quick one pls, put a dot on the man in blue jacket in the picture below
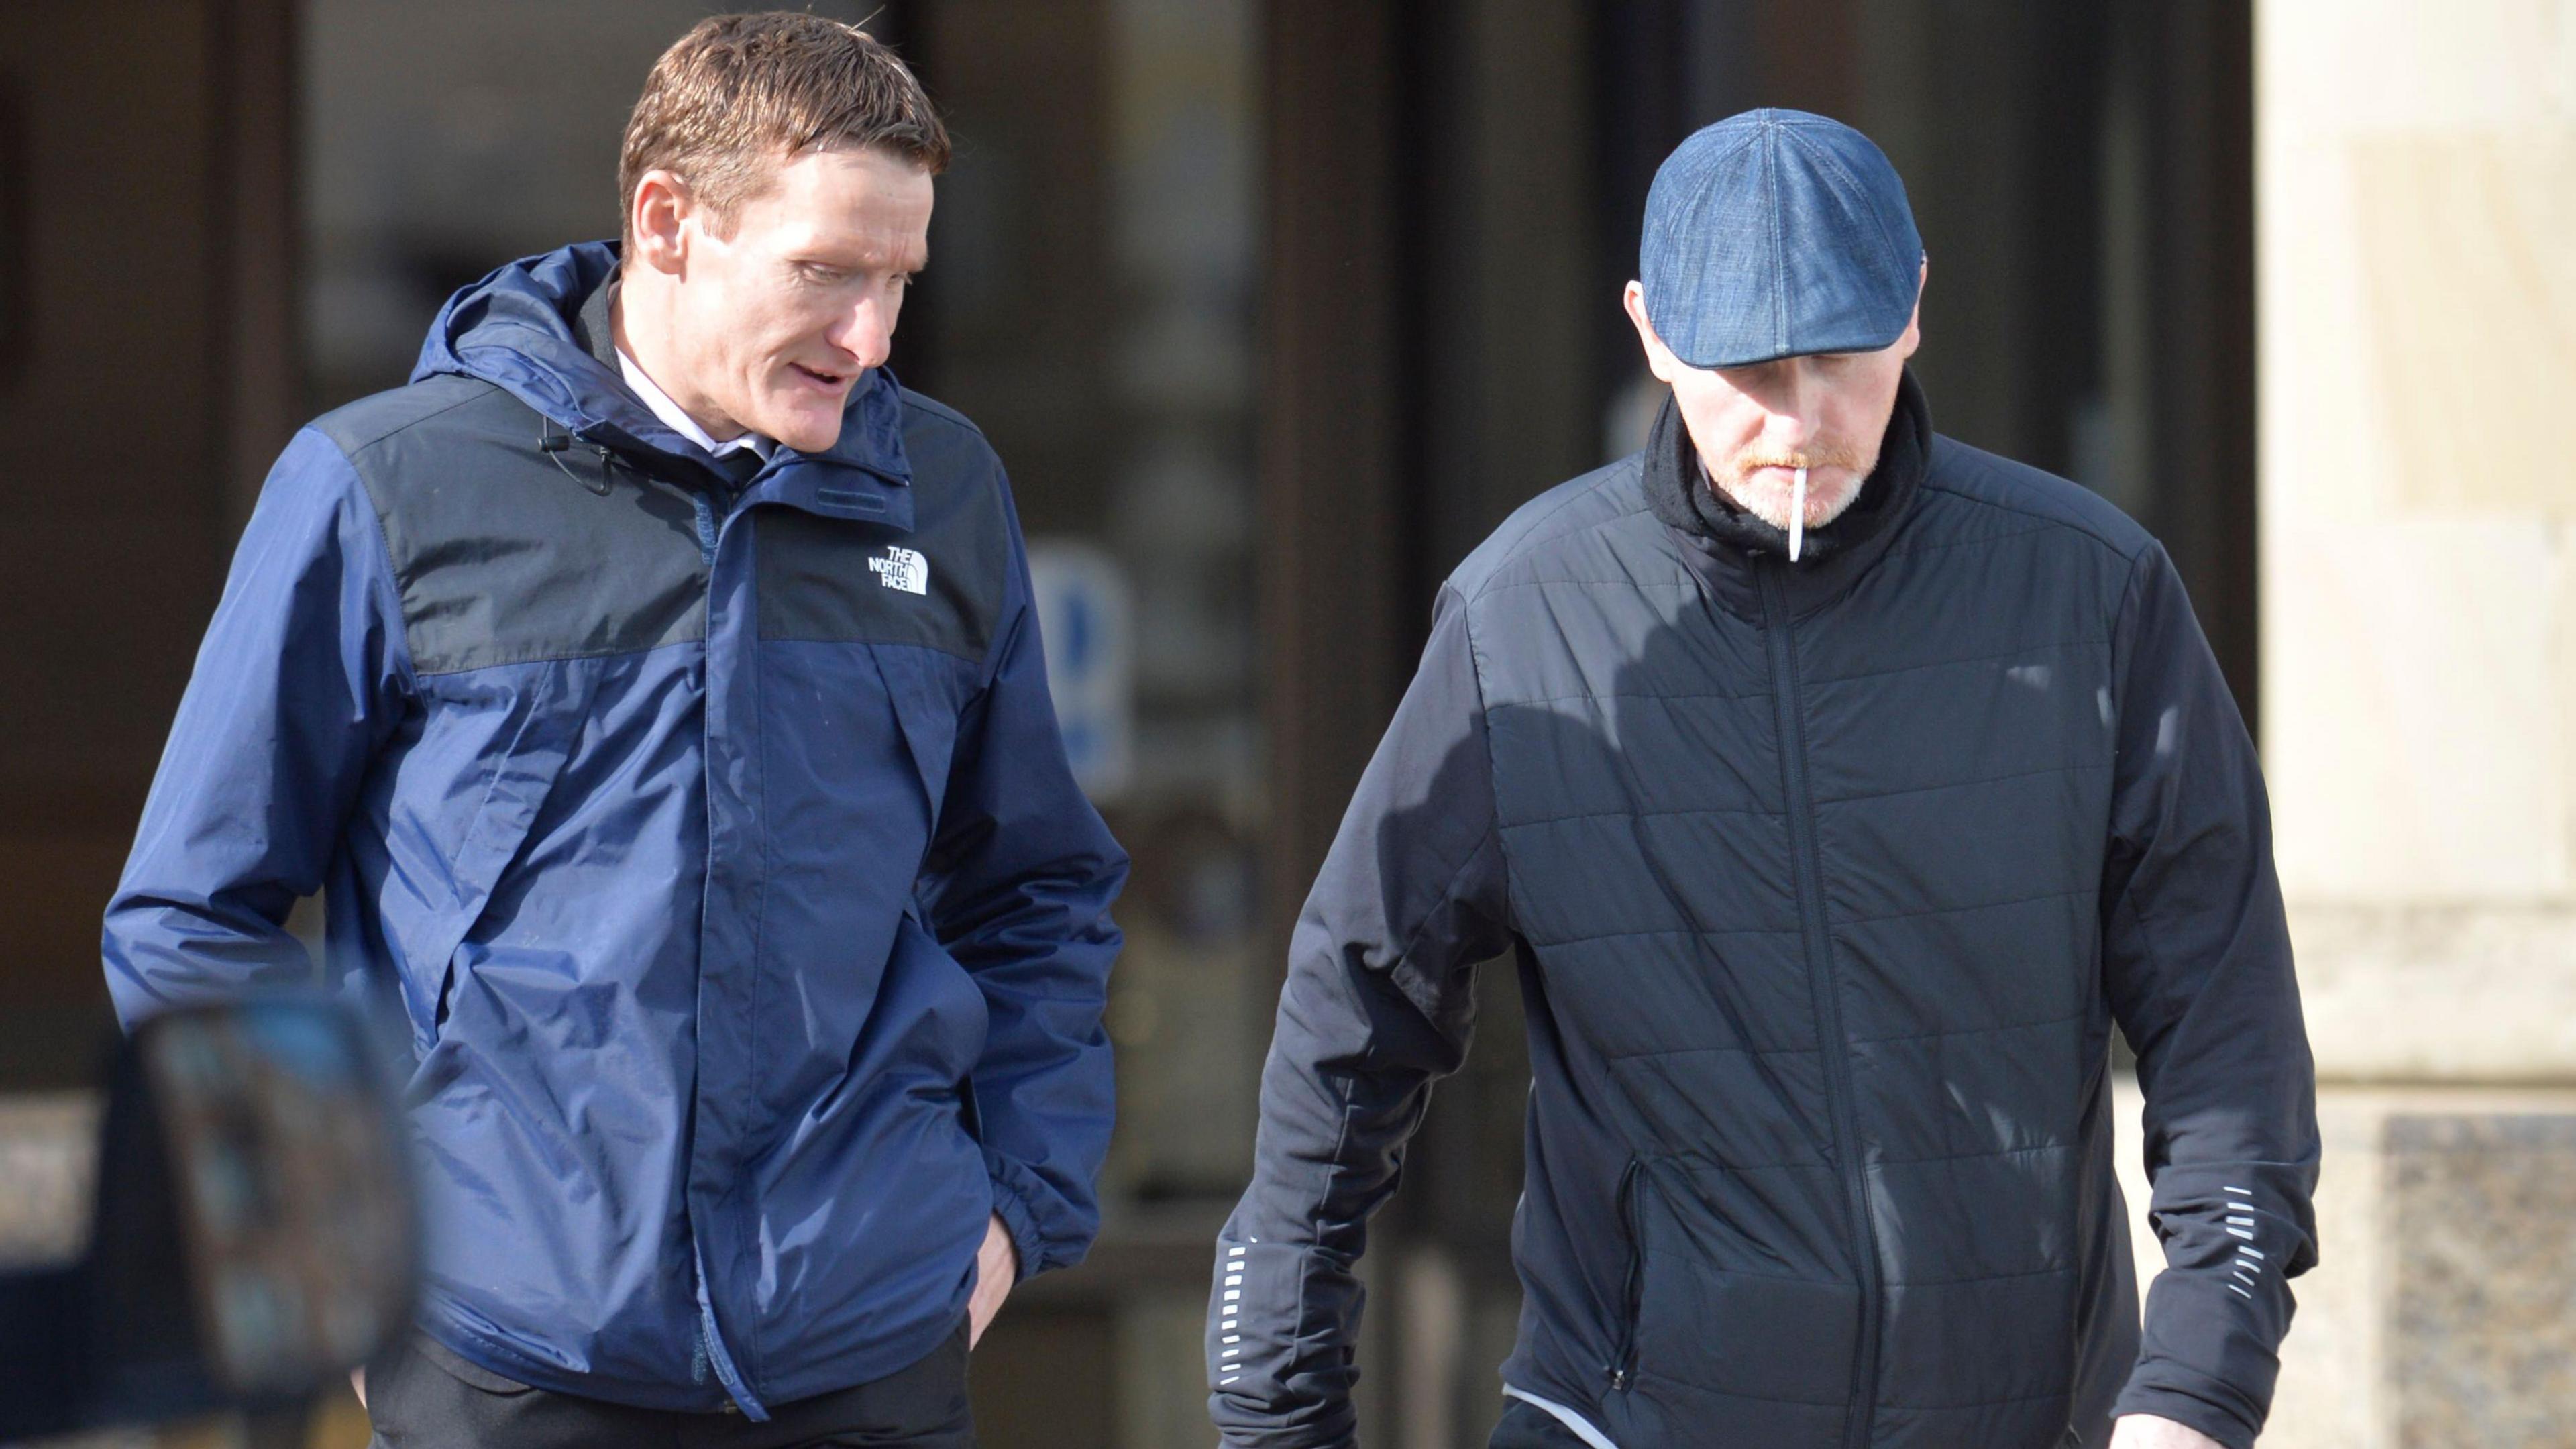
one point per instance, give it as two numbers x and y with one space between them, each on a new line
1838 790
652 688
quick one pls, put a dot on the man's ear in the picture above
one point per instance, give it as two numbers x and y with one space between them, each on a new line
1913 337
658 223
1659 358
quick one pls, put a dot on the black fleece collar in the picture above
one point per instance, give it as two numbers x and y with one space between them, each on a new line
595 325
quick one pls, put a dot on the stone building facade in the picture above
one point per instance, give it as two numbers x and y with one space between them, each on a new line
2416 219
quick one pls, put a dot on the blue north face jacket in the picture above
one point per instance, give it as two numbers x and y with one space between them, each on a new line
716 839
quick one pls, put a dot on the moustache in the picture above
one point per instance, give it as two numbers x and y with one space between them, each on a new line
1810 459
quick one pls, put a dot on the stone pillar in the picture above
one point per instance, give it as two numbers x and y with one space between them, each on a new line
2416 218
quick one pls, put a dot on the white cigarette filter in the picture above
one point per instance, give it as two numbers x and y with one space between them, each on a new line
1797 515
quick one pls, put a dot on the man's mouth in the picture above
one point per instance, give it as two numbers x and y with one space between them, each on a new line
1779 475
833 381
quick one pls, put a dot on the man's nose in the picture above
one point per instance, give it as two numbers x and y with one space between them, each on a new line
866 333
1791 430
1795 410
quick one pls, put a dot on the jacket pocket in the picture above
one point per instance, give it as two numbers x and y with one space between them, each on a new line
1623 1361
947 1020
542 713
1715 1333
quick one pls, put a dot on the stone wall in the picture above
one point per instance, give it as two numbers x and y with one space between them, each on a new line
2416 203
2440 1315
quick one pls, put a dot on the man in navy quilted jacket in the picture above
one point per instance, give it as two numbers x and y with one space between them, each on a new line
654 686
1838 790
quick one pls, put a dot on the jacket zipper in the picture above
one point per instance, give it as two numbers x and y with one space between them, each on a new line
710 533
1623 1364
1834 1049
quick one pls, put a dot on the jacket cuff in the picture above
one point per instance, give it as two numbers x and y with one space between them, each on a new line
2168 1401
1013 1186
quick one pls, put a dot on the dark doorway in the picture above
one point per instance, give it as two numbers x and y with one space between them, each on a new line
145 366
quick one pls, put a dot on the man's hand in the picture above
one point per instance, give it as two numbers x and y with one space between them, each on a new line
2146 1431
997 1267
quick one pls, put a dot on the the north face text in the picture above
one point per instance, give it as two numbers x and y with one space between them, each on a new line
903 569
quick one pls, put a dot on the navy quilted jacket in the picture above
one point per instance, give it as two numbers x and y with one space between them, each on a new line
1827 884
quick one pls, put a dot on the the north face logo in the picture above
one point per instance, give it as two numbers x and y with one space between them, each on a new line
903 569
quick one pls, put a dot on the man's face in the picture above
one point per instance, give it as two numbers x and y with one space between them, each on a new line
1756 426
774 320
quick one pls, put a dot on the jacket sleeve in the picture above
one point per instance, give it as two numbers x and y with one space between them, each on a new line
1376 1006
1018 888
302 675
2196 960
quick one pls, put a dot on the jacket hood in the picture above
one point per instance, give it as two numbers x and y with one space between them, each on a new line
517 330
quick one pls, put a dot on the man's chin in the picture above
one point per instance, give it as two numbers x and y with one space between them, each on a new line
1774 510
1827 500
807 434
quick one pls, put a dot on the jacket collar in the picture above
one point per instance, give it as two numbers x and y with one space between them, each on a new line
1730 550
538 329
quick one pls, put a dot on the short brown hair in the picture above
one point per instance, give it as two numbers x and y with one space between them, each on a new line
740 93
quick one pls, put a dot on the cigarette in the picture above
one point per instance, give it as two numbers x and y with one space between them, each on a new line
1797 515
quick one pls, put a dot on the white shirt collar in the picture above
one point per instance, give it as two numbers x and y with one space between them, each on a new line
678 421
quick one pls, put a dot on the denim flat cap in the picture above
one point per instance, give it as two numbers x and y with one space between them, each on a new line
1777 234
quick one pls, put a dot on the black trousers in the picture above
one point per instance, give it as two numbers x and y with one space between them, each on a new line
422 1396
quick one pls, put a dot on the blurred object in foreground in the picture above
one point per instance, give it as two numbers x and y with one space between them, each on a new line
253 1235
